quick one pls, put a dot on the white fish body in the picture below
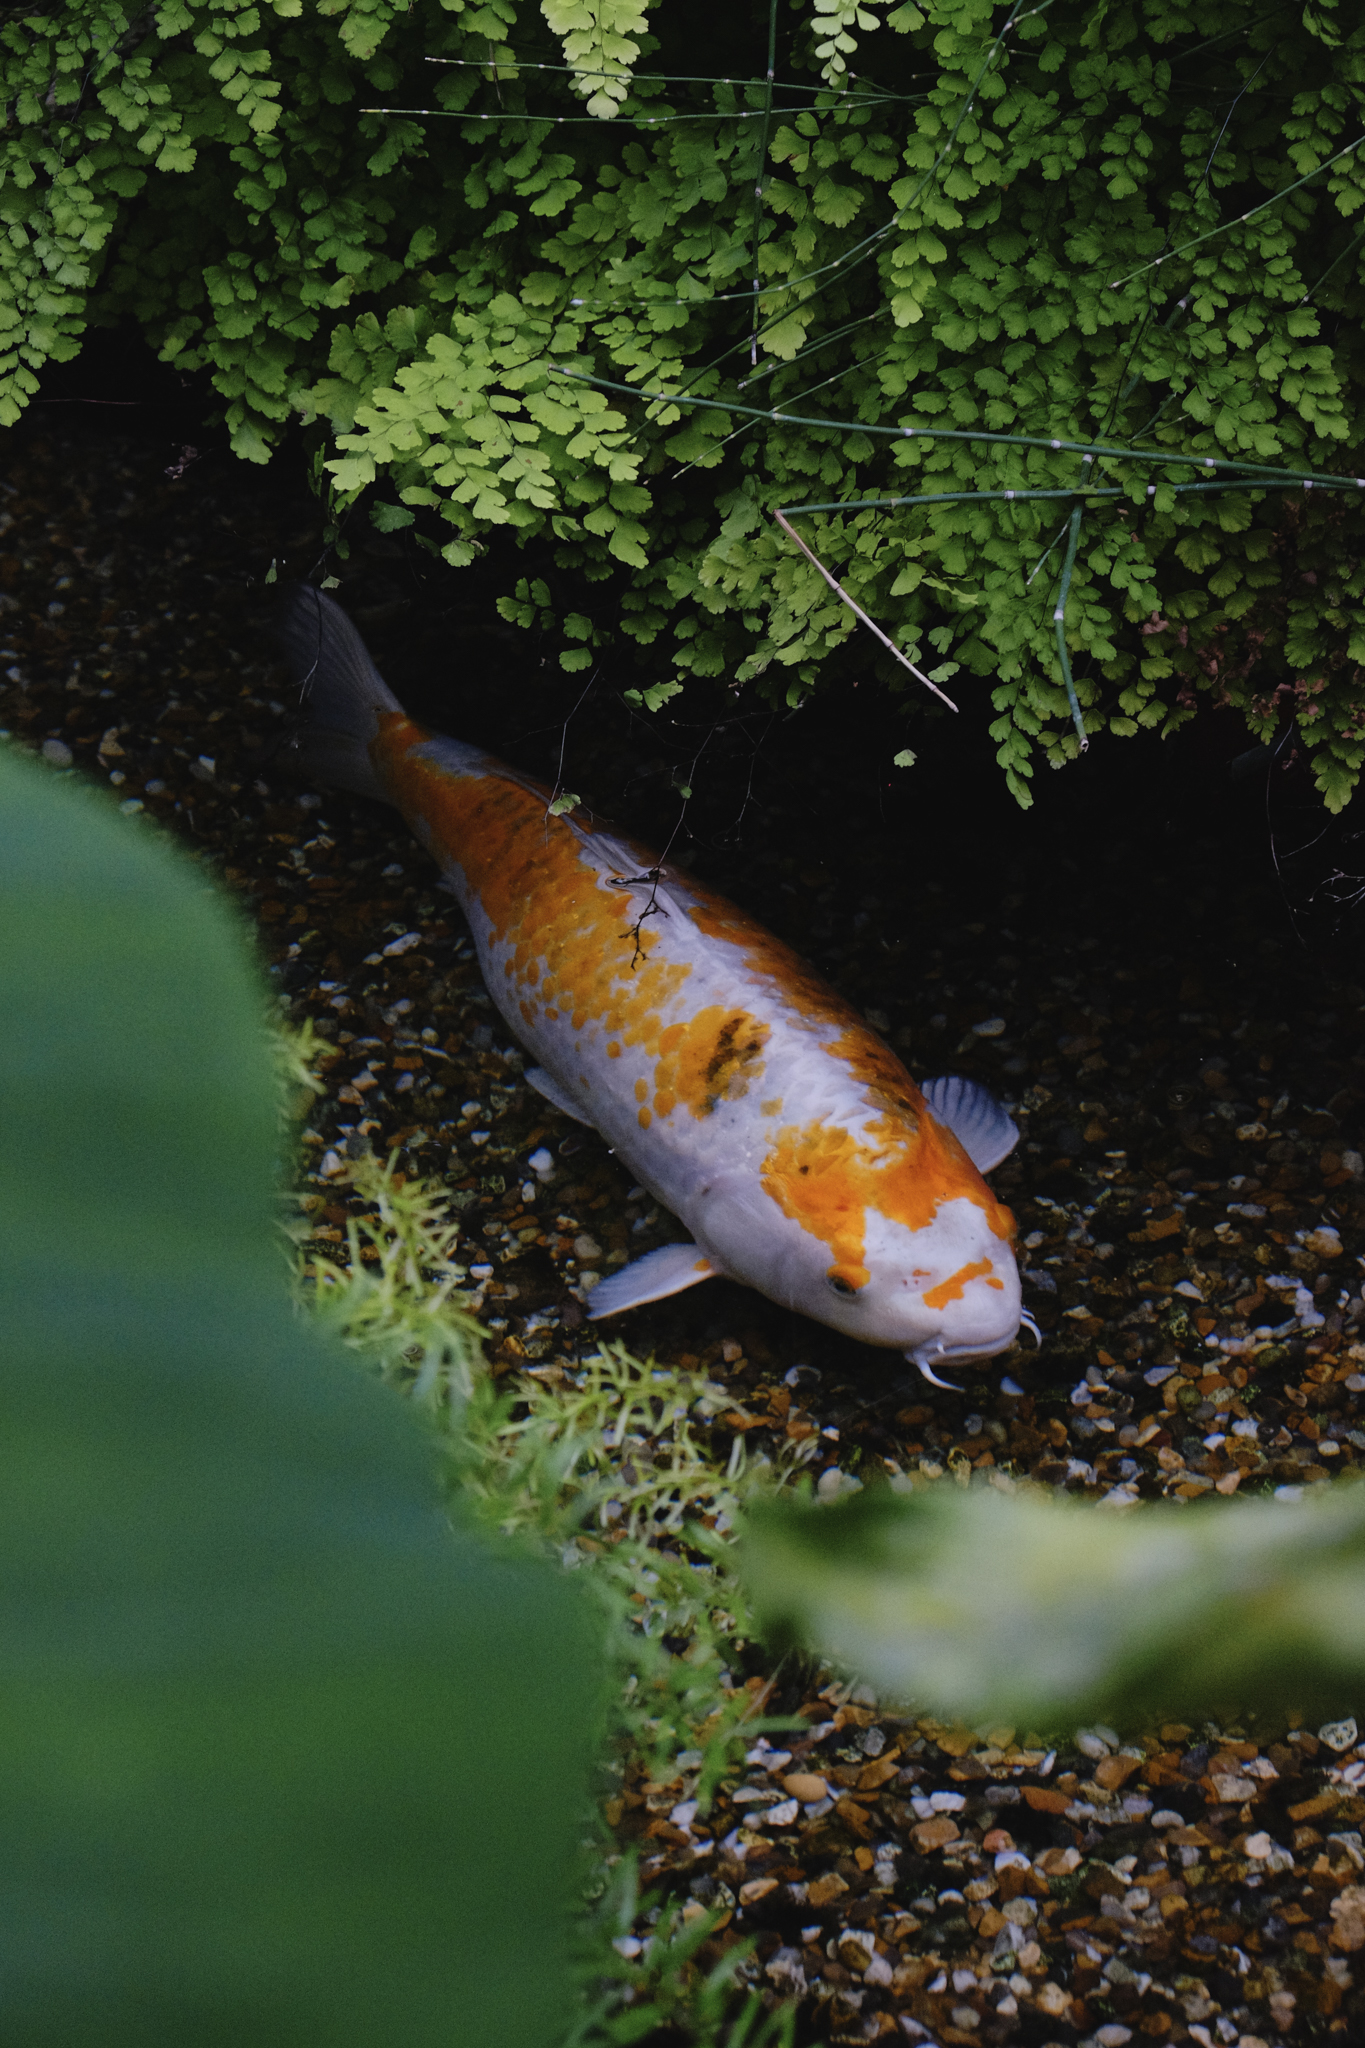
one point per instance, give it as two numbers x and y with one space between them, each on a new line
738 1088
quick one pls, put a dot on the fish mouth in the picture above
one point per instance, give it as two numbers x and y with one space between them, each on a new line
935 1352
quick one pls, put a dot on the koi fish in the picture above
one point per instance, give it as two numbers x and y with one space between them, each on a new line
737 1086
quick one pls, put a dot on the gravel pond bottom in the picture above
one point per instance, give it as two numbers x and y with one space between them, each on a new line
1118 964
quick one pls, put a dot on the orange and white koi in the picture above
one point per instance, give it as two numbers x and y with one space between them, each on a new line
735 1084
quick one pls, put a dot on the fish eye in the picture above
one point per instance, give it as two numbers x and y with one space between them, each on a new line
840 1285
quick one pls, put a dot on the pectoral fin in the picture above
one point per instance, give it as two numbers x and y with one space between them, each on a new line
555 1091
667 1271
982 1126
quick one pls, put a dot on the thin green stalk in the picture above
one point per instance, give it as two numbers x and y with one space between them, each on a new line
986 497
1241 219
1059 625
582 121
1309 478
762 166
1350 248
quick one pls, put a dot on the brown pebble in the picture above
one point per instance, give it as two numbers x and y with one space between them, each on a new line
807 1786
1046 1799
935 1833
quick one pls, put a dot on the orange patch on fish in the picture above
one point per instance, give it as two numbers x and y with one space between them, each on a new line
825 1178
955 1286
538 887
710 1059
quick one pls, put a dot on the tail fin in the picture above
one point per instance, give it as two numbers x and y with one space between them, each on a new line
341 689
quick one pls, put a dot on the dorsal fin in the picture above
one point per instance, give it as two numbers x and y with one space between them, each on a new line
978 1120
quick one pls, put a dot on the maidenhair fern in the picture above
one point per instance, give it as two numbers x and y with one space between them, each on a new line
1068 223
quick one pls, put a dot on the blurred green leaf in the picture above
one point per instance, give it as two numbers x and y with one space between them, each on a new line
286 1760
1050 1612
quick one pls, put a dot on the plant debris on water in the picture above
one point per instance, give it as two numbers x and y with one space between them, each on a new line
777 1855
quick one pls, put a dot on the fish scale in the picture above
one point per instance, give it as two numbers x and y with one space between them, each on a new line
740 1089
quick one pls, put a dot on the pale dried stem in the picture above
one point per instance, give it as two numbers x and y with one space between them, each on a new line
858 612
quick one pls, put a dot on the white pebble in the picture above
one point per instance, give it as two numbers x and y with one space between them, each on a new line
781 1816
993 1027
541 1162
58 753
397 947
331 1164
130 804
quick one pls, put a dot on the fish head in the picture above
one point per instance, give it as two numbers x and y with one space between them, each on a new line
948 1289
901 1246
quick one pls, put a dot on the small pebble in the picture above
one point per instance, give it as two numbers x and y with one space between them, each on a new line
58 753
541 1163
993 1027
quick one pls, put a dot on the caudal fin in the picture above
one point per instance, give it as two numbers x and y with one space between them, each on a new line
342 692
